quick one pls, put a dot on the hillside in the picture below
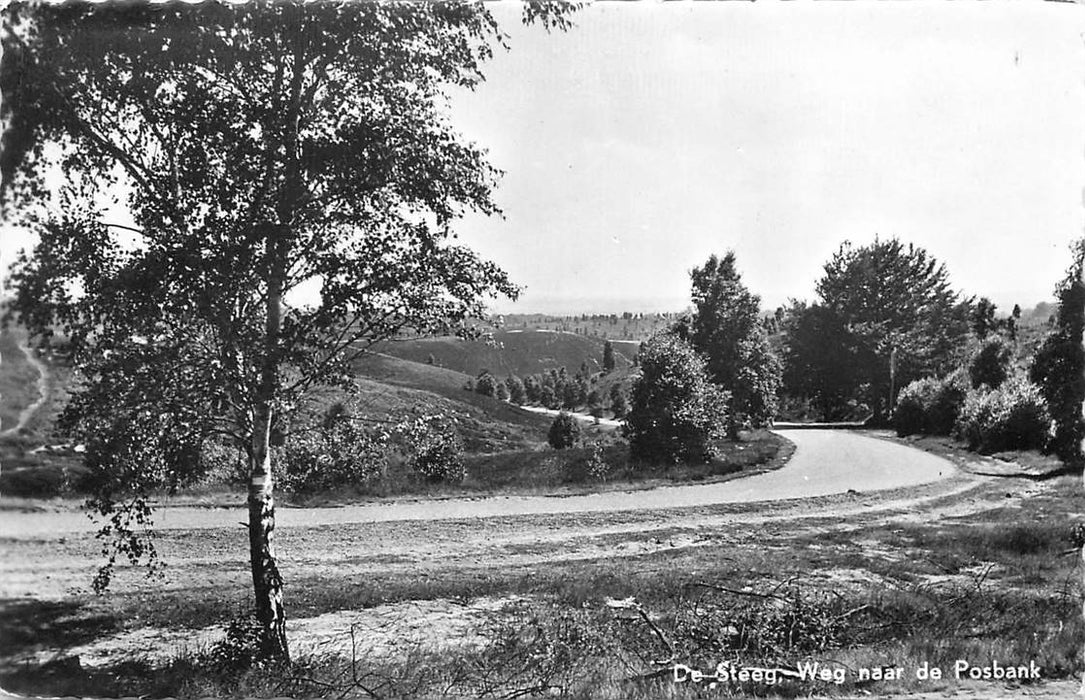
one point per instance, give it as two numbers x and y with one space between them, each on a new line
628 326
389 385
519 352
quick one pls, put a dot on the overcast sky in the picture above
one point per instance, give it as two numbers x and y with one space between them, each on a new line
652 135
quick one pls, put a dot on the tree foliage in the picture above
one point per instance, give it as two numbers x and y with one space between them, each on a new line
875 299
258 148
608 356
1059 365
931 405
725 328
990 364
818 358
1011 417
517 392
676 413
564 431
619 404
486 384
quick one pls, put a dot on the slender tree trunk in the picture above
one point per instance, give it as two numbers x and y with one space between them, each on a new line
267 582
266 579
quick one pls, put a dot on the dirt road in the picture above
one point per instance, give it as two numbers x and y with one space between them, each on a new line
825 462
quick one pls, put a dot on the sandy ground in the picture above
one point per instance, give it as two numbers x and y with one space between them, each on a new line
825 462
835 481
610 422
43 391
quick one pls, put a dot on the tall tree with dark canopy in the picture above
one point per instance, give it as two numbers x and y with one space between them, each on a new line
726 329
892 296
1059 365
818 358
259 147
608 356
983 318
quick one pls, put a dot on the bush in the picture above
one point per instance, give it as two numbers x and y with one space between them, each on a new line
991 363
598 468
564 431
676 413
619 405
910 414
239 650
1012 417
548 398
486 384
331 456
224 463
930 406
434 449
517 391
34 482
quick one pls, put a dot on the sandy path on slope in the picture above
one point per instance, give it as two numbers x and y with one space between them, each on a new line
43 391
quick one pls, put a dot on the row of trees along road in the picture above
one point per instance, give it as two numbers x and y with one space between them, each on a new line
258 147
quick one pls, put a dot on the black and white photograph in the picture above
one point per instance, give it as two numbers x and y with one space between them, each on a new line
391 349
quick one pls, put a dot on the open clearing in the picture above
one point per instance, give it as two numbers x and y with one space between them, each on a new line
438 580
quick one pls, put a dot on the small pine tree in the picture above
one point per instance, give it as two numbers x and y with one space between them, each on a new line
517 390
608 356
991 363
983 318
564 431
548 397
619 405
486 384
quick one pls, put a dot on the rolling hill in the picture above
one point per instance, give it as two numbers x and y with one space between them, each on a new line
505 352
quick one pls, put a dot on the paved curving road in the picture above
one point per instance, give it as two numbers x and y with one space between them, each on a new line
825 462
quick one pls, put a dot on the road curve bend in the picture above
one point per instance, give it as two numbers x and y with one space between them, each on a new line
825 462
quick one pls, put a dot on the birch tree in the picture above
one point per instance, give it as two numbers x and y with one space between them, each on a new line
259 149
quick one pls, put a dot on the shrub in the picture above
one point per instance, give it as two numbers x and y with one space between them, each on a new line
225 463
34 482
619 405
548 398
434 449
239 650
336 454
486 384
564 431
910 414
1012 417
991 363
930 406
676 413
517 391
598 468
